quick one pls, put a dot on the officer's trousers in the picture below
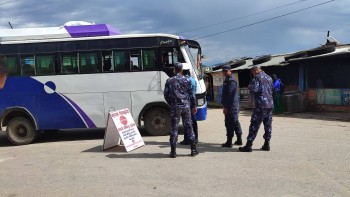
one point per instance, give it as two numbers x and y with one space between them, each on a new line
185 114
194 127
260 115
232 123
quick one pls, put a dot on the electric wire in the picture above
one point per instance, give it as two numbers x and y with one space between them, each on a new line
263 21
242 17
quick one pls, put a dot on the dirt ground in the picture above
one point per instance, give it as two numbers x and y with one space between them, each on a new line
309 157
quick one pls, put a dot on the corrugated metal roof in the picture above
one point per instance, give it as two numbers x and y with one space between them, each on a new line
338 51
276 60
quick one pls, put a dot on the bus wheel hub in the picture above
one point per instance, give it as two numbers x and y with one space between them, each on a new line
158 121
22 131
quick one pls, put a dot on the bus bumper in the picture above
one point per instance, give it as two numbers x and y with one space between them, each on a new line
201 113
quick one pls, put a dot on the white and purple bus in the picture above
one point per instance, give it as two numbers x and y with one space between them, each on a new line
70 77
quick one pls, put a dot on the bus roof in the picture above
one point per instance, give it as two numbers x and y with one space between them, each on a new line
68 33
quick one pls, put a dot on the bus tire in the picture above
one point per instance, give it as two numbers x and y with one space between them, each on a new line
20 131
157 121
321 50
261 59
299 54
237 63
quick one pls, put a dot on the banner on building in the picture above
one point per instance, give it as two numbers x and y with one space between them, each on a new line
332 96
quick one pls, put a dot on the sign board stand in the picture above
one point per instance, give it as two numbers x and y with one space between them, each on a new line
121 129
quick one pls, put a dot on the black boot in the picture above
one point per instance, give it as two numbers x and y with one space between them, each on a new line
228 143
239 140
194 150
247 147
173 151
266 146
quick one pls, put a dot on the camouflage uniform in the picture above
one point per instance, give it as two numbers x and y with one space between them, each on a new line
262 89
230 101
179 94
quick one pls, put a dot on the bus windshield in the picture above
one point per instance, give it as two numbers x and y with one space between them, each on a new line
194 52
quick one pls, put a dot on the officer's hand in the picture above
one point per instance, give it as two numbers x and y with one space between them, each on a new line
225 111
194 110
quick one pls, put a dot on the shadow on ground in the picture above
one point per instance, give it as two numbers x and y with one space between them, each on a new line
328 116
119 151
70 135
65 135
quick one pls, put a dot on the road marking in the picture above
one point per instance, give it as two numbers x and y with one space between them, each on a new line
5 159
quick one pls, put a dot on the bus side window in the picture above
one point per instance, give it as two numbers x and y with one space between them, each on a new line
69 63
107 64
149 59
28 65
119 60
45 64
14 69
170 56
165 59
88 63
135 60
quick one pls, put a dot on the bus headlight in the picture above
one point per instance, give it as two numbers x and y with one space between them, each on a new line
200 102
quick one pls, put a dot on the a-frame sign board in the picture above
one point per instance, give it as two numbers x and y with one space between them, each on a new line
121 128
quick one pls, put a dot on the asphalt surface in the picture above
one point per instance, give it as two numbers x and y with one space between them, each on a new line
309 157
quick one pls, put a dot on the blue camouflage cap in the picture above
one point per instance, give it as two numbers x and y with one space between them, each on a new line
226 68
178 66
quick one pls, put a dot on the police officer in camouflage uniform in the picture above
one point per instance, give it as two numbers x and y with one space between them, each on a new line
230 102
261 87
179 94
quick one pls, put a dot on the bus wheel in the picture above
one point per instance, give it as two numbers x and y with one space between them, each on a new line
157 121
20 131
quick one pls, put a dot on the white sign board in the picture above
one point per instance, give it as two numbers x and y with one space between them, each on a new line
122 128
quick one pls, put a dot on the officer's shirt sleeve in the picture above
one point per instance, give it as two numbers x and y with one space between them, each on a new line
255 86
192 95
167 92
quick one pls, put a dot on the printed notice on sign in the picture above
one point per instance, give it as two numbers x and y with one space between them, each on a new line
121 127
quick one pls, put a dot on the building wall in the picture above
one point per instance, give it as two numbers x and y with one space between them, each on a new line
327 83
218 80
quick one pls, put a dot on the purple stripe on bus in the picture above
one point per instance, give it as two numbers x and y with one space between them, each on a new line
91 30
88 121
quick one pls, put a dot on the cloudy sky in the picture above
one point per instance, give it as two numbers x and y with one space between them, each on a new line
300 31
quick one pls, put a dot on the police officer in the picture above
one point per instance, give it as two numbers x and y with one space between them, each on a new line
3 71
261 87
186 72
231 107
178 93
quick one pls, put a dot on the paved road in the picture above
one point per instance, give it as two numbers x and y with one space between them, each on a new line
309 157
